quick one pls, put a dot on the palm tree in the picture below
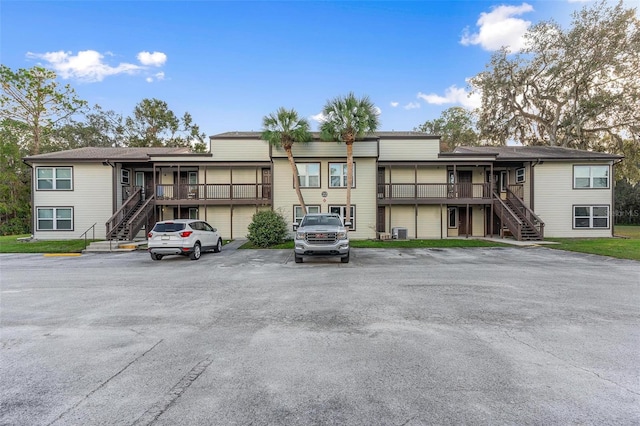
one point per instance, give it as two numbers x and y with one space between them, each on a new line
282 129
348 119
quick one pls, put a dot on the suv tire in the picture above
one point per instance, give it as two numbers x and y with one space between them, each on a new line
196 253
218 247
156 256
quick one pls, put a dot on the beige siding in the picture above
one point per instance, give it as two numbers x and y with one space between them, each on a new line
218 175
408 150
434 174
402 174
329 149
403 217
429 222
477 221
219 217
554 198
242 216
239 150
91 200
363 196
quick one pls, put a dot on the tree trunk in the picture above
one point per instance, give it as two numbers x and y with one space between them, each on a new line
296 181
347 213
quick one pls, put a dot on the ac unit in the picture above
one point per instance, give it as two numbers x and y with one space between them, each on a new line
399 233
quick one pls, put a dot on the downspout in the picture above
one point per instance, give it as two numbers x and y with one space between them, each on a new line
491 212
33 208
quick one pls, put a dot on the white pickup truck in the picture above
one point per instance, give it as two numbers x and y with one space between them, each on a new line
321 234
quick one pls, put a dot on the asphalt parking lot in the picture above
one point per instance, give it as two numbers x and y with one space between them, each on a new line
396 337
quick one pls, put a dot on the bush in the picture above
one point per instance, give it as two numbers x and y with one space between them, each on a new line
15 226
267 228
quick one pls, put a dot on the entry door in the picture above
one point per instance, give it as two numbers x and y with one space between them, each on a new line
464 184
464 216
266 183
381 221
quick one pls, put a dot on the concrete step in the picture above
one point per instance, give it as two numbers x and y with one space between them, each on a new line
113 246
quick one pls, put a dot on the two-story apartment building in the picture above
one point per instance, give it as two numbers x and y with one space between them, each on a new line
403 186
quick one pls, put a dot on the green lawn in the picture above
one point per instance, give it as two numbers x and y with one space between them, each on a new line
11 244
626 247
628 231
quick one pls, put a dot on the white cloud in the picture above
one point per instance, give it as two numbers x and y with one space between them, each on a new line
155 59
499 28
87 65
319 118
412 105
156 77
453 95
394 104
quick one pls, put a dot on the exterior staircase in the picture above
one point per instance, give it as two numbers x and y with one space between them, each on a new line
134 214
519 219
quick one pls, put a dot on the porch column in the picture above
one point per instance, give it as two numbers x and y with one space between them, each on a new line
491 198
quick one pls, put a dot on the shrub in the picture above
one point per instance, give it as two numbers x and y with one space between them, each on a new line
267 228
15 226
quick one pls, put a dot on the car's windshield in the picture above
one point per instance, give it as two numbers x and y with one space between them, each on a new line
168 227
321 220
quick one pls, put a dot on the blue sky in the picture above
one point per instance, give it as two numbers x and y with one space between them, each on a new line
231 63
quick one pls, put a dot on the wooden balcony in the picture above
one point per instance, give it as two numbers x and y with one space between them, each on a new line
433 193
214 194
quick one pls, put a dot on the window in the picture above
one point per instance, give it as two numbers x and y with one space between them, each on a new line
453 217
193 213
591 217
124 177
54 178
54 218
298 215
520 175
341 210
338 175
309 175
591 176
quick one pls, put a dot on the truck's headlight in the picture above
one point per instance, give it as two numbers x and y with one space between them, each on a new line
300 235
342 235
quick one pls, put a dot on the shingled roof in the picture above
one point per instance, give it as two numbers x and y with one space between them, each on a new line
92 154
536 153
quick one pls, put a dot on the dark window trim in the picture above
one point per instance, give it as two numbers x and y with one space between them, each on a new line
573 216
591 188
319 163
308 205
329 163
73 174
73 219
353 206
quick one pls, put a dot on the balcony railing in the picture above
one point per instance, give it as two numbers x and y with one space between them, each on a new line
214 191
396 191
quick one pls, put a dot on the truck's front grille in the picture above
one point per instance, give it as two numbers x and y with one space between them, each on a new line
321 238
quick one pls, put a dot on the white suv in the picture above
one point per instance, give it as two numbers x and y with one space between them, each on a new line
188 237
